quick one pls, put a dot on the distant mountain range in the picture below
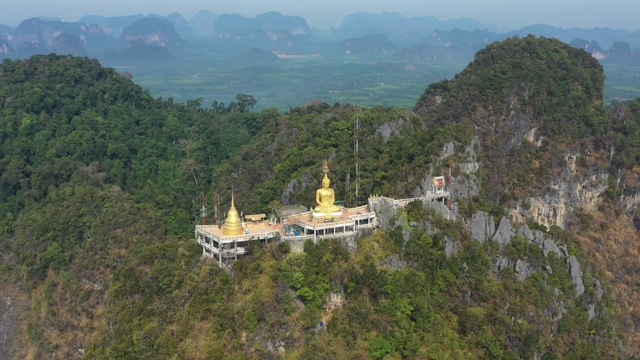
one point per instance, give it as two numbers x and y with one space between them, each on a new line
121 39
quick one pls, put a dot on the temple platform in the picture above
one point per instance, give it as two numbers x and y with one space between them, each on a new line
345 223
226 249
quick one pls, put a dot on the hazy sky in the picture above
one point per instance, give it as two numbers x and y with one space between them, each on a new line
506 13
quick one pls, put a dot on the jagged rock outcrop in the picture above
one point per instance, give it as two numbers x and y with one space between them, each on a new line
442 209
451 246
390 128
526 232
549 246
503 262
556 309
11 310
576 274
482 226
505 232
591 312
568 191
523 269
385 209
482 229
463 186
599 290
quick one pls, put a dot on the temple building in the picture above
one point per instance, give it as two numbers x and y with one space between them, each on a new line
294 225
327 220
227 242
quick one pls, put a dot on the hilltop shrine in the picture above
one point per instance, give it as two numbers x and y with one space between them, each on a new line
227 242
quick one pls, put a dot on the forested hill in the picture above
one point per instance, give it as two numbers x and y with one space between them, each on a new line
93 171
531 88
98 198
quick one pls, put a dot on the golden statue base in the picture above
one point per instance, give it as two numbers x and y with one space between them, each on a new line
322 216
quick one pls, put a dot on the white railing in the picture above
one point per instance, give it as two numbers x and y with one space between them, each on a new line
323 225
359 208
244 237
429 196
363 216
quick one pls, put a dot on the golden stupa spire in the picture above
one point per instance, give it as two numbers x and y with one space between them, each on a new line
325 169
233 223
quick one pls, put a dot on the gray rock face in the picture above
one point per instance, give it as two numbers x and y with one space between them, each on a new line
465 187
503 263
384 210
424 187
451 246
523 269
471 165
396 263
549 246
447 150
524 230
389 128
406 234
599 290
505 232
564 250
482 226
576 274
567 191
440 208
538 238
591 312
9 326
556 309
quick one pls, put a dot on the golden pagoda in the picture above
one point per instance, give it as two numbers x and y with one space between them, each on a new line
233 224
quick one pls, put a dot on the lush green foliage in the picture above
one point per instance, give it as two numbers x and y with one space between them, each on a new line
288 154
92 167
97 189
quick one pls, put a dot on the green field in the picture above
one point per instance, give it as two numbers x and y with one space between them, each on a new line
286 83
622 82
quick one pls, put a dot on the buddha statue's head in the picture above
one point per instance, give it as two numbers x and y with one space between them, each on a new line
326 182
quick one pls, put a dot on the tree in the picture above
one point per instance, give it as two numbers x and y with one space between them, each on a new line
190 166
245 102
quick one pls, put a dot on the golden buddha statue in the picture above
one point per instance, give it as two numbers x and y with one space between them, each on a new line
325 196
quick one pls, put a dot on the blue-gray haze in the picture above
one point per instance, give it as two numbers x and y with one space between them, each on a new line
507 14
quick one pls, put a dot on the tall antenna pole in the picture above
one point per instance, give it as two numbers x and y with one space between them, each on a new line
347 189
355 150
